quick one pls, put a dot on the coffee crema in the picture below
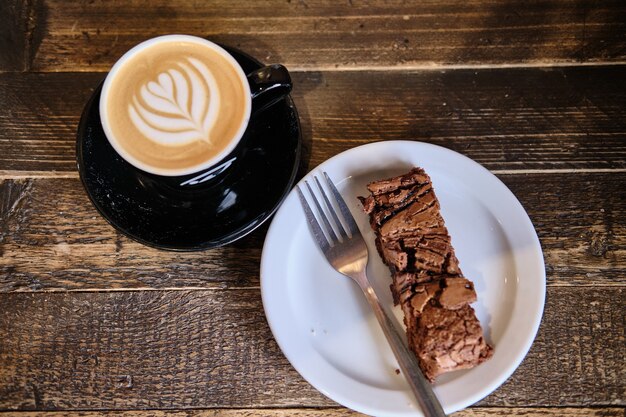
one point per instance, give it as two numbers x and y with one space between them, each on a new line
175 105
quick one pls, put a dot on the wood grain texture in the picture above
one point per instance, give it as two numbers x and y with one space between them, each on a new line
72 246
205 349
21 32
319 34
143 332
52 238
506 119
333 412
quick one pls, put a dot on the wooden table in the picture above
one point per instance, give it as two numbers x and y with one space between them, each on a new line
535 91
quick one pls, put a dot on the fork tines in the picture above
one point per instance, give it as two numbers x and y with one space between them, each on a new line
328 233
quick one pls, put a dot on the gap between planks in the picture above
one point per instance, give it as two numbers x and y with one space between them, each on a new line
428 66
216 289
324 411
17 175
434 66
139 289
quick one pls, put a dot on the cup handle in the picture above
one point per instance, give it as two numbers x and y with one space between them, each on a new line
268 85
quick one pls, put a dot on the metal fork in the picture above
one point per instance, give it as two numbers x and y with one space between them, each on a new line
345 249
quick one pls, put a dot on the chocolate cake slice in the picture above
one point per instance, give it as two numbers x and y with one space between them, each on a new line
411 237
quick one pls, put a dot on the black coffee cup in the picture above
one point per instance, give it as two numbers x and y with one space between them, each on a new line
265 86
268 85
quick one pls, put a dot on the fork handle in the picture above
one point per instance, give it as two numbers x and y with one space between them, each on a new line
431 407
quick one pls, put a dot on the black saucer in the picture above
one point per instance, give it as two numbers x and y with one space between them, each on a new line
213 216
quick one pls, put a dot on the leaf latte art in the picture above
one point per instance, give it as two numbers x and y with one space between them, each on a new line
180 106
175 105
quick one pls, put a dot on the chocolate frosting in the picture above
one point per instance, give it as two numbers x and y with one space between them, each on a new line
411 237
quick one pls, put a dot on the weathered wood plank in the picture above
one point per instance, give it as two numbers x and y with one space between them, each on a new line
46 238
51 238
581 247
333 412
205 349
12 35
316 34
506 119
22 25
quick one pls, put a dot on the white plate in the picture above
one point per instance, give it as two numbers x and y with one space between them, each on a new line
325 327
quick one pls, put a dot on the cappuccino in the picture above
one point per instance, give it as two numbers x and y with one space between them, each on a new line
175 105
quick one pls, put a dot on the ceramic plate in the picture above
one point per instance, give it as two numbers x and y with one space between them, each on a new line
324 325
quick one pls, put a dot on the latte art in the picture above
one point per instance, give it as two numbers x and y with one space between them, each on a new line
180 106
175 105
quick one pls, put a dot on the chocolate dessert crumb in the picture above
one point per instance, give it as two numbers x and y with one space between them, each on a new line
411 238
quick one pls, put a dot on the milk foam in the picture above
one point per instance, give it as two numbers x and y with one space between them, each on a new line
180 106
175 105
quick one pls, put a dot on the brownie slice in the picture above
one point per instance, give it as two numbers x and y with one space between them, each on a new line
411 237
